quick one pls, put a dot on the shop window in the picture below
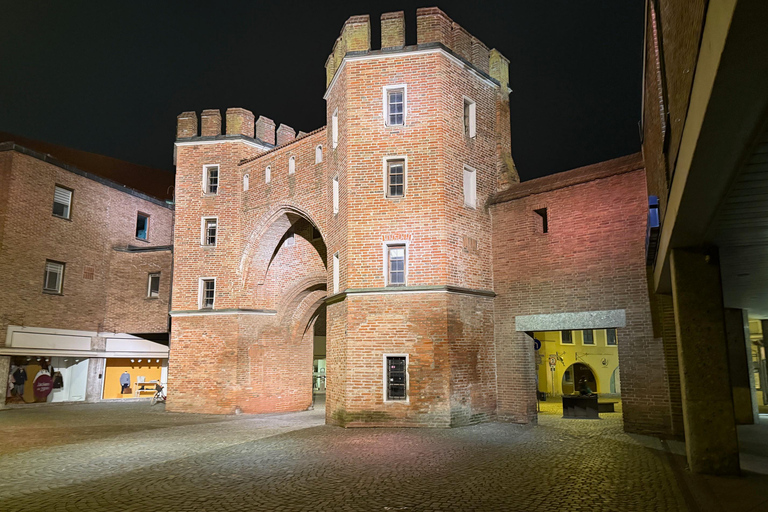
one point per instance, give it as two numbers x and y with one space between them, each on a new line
54 276
62 202
211 179
142 226
395 178
587 337
610 337
153 286
207 292
566 338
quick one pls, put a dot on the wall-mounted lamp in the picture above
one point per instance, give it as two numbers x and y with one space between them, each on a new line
139 360
132 360
38 359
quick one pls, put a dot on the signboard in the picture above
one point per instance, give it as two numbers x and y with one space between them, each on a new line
43 386
552 362
536 343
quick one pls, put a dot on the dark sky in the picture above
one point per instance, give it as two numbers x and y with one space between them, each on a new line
110 77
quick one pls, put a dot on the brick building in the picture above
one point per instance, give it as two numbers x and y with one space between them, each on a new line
86 265
404 223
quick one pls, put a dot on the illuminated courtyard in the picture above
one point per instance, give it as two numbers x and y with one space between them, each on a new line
131 456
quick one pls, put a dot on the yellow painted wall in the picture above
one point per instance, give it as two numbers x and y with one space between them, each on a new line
591 355
115 368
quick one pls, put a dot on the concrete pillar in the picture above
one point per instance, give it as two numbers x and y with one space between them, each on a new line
5 366
711 441
739 355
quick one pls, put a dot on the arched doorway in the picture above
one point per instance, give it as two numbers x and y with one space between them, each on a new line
573 375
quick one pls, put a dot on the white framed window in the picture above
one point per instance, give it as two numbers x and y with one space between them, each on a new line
611 338
395 377
470 118
292 165
335 195
246 182
336 273
54 276
319 153
207 292
335 128
268 174
394 105
470 187
142 226
62 202
396 263
587 337
210 228
566 338
394 176
153 285
211 179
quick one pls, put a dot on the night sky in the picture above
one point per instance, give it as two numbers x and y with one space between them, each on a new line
111 77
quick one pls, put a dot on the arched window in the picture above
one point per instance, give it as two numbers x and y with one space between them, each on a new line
292 165
319 153
246 182
268 174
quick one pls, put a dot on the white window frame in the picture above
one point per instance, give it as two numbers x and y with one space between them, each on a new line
204 231
385 102
336 273
471 105
386 161
407 379
385 260
571 334
335 192
206 181
292 165
246 182
470 187
68 205
146 216
149 285
201 291
59 283
318 153
335 129
268 174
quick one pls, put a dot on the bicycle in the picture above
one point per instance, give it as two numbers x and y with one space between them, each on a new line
159 395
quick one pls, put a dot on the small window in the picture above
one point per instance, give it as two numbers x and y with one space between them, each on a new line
268 174
246 182
336 273
396 265
470 187
542 223
587 337
62 202
142 226
207 293
395 178
211 179
396 375
210 229
395 105
610 337
335 195
566 338
335 128
292 165
54 276
470 118
153 286
319 154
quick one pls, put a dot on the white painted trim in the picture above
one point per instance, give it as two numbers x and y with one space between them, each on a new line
203 230
220 313
473 183
472 116
205 179
561 338
335 129
385 103
200 293
268 174
318 160
385 164
385 256
407 379
292 165
335 194
388 55
222 141
246 182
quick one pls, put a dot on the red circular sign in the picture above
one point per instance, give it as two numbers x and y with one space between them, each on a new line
43 386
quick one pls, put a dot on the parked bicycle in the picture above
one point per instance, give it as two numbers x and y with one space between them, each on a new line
159 395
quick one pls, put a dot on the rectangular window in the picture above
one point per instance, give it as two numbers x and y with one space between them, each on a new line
142 226
395 178
335 195
207 293
268 174
153 286
292 165
587 337
610 337
335 128
396 265
396 377
566 338
54 276
470 187
62 202
211 179
395 105
470 118
210 226
336 273
318 154
542 223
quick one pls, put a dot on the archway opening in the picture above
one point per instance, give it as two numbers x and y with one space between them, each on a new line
574 375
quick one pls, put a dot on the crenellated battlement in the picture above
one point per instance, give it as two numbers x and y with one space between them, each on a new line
432 26
239 121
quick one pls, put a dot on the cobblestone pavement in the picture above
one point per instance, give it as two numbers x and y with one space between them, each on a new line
125 457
